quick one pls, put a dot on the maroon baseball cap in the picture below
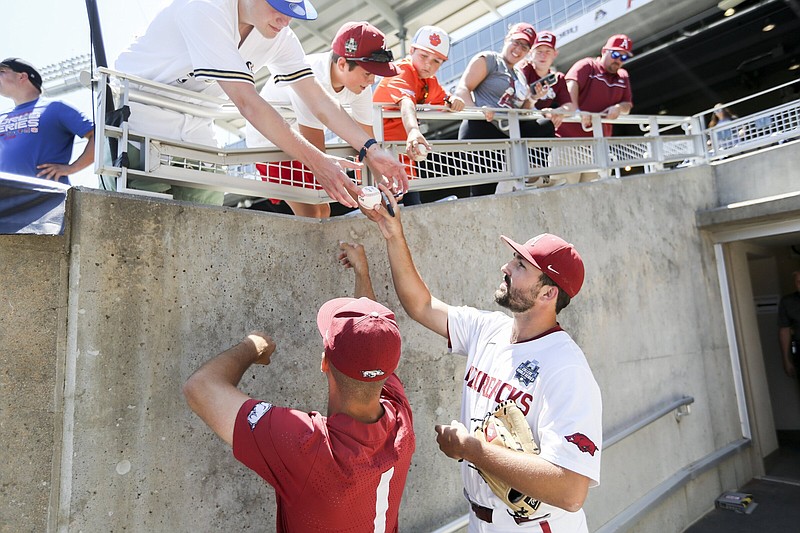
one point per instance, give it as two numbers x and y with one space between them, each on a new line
545 38
619 42
361 338
555 257
524 32
364 43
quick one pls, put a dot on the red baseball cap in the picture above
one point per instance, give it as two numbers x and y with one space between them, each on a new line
364 43
523 31
361 338
619 42
555 257
545 38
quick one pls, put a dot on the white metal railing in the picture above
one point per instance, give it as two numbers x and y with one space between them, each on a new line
450 164
755 131
270 173
751 132
680 408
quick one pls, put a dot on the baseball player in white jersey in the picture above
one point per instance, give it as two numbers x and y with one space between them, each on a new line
527 358
347 72
214 47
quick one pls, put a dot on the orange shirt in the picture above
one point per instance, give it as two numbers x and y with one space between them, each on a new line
407 84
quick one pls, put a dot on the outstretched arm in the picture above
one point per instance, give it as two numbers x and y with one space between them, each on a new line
327 169
211 391
353 256
414 295
330 113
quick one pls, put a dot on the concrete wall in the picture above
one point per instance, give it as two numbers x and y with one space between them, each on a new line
33 296
157 287
759 175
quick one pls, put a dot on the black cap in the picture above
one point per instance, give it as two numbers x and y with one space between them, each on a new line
18 65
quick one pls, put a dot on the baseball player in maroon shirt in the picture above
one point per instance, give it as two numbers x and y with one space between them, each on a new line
345 470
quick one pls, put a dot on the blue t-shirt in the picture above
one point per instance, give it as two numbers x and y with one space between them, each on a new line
38 132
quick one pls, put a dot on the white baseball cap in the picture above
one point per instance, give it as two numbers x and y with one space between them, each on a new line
432 39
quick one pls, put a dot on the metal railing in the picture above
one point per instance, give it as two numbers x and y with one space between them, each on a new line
680 408
754 131
269 173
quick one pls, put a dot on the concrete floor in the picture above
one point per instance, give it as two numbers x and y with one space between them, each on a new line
777 496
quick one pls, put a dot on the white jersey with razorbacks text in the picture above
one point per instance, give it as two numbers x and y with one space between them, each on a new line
550 380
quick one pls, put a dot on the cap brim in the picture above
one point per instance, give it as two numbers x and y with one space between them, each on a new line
302 9
522 36
386 70
431 50
520 249
327 312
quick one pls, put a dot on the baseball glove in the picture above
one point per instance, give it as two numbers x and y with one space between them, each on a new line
507 427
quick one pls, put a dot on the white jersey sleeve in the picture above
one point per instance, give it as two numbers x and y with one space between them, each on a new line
570 421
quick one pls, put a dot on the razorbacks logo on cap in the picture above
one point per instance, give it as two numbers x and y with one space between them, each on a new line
583 443
546 37
369 374
529 31
434 39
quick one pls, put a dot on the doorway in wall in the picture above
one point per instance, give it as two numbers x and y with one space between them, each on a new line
770 267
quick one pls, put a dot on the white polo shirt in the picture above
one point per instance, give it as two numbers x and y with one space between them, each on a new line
193 43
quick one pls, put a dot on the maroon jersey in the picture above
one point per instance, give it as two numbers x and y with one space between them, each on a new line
330 473
558 94
598 91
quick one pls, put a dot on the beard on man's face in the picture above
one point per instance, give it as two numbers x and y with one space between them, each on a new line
514 301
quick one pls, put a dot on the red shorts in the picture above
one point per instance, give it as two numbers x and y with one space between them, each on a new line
292 173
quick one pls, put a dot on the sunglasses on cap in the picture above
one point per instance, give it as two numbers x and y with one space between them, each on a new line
379 56
619 55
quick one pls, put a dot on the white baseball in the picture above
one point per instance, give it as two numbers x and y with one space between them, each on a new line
422 152
370 197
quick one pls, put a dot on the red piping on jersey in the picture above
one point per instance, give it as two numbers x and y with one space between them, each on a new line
555 328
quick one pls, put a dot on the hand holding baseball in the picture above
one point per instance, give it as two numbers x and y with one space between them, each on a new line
417 146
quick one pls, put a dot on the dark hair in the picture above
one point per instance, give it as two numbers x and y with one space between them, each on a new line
353 389
563 298
727 114
350 64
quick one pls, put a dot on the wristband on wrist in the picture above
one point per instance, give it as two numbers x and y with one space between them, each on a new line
362 154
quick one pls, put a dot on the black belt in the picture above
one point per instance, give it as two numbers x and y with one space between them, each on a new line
485 514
